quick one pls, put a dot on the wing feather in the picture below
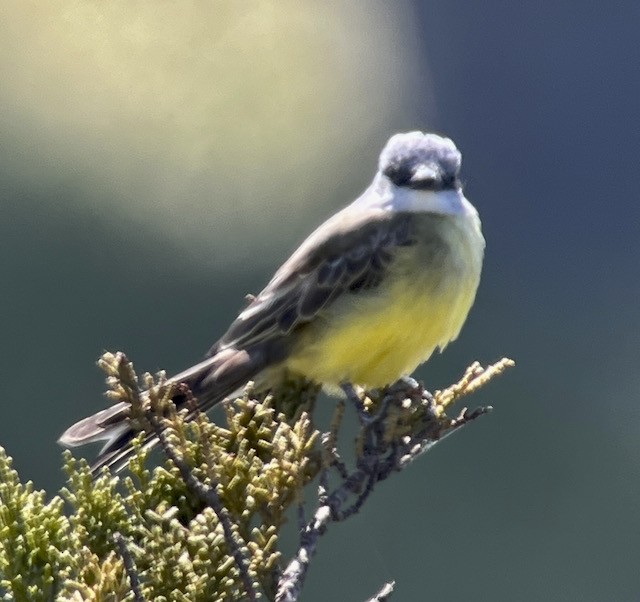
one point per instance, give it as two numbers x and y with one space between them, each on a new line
348 254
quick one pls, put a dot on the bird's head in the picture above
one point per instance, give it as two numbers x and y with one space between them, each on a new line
421 162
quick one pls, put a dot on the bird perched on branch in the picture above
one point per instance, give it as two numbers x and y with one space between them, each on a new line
365 299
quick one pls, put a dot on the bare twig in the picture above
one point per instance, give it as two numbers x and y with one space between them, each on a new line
409 421
129 567
352 395
384 593
292 579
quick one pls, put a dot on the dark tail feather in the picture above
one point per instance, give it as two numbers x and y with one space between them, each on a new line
210 381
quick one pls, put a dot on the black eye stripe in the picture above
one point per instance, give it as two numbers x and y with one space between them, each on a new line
401 175
398 174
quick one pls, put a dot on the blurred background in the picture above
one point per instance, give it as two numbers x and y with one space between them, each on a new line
158 160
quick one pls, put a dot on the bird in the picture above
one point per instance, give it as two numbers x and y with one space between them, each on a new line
365 299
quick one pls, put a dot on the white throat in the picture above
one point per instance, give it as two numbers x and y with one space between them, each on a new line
385 195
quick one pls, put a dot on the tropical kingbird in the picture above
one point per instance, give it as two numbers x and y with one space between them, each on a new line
364 300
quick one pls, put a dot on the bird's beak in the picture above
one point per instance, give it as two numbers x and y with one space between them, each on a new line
424 174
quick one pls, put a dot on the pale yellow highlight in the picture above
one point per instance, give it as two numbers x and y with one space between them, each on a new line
202 122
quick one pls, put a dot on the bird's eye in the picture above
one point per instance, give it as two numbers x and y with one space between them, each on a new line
400 175
450 181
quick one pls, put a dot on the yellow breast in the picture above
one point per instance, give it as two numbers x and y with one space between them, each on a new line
372 339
